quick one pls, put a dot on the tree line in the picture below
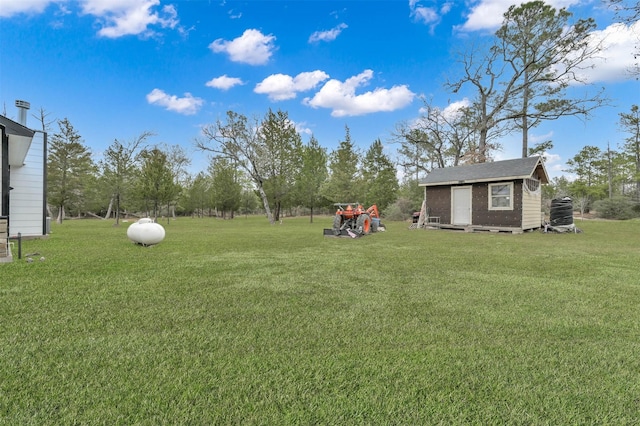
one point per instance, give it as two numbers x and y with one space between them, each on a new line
255 166
517 81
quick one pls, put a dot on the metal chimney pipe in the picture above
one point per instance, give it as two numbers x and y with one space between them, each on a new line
23 107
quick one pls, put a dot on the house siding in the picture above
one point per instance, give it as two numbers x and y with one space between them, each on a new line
27 196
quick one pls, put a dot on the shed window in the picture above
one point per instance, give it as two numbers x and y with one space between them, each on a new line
501 196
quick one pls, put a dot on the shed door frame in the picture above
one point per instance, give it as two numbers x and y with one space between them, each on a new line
461 205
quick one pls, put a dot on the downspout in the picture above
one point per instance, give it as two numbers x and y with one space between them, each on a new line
4 190
46 221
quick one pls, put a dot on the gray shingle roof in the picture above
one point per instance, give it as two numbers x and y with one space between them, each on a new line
519 168
13 128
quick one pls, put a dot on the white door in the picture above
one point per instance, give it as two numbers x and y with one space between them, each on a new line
461 205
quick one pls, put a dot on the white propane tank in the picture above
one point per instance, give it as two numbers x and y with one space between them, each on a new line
146 232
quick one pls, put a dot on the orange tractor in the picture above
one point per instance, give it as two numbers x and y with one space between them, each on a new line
352 219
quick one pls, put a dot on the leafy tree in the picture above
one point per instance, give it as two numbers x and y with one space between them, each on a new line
630 124
249 201
119 166
69 165
156 182
343 185
414 153
197 194
313 174
411 190
178 162
544 54
521 79
590 167
281 158
226 191
379 175
240 142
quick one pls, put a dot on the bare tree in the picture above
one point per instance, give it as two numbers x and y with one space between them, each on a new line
45 123
444 137
493 89
241 142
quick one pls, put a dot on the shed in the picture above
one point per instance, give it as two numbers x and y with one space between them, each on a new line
23 154
500 196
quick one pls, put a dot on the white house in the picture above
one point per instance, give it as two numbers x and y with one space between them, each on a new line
23 204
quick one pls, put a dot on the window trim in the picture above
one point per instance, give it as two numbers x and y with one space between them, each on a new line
491 196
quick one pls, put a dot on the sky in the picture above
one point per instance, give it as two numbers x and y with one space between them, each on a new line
118 68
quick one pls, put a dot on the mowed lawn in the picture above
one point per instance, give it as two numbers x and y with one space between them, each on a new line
242 322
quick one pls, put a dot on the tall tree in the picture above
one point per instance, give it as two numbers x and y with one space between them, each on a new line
344 183
43 119
312 176
119 166
521 79
545 54
487 76
178 162
197 189
282 152
226 191
413 153
590 167
240 141
69 165
630 124
156 183
379 175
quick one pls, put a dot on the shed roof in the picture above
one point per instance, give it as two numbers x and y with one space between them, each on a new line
519 168
14 128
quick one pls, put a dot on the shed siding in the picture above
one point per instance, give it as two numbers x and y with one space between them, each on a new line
531 210
482 216
439 202
27 195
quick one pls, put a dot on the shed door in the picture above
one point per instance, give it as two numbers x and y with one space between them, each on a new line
461 205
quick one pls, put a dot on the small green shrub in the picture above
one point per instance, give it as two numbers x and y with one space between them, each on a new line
620 208
401 210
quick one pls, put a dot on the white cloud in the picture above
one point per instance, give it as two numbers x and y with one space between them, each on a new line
124 17
302 128
489 14
619 42
224 82
252 47
188 105
342 99
280 87
328 35
14 7
452 111
428 15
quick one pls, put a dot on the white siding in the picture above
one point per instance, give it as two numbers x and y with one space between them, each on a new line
531 209
26 204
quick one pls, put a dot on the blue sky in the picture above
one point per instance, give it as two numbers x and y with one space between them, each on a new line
118 68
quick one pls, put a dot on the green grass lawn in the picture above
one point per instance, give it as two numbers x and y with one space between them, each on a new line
241 322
